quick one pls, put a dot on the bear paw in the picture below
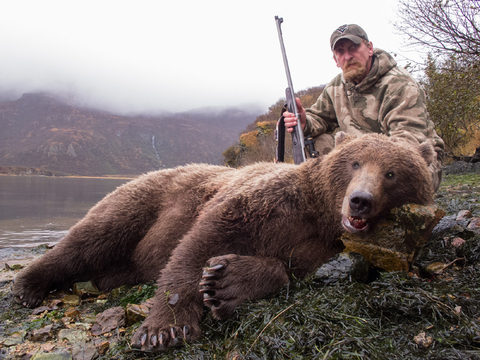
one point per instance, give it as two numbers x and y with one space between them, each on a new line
221 286
28 294
155 339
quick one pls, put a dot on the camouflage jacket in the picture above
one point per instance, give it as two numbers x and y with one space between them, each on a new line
387 101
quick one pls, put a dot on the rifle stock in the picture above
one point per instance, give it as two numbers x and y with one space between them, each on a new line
298 145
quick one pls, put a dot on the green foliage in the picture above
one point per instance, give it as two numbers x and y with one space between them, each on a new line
135 295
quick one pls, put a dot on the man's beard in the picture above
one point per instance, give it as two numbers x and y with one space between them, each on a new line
354 71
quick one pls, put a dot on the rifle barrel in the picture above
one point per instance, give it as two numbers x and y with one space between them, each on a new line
298 154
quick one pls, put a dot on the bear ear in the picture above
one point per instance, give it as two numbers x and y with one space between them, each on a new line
342 137
427 151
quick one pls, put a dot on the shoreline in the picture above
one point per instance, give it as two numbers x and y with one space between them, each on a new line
114 177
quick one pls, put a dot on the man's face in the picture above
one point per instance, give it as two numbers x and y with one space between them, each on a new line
353 59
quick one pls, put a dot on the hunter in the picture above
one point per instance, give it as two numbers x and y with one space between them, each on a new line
371 94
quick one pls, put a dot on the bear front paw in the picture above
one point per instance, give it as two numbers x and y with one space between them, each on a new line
27 295
220 290
154 339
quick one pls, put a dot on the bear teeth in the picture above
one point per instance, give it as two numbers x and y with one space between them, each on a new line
357 223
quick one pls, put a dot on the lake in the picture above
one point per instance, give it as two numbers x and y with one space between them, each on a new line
38 210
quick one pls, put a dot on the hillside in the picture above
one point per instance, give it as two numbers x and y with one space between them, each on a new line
41 130
257 142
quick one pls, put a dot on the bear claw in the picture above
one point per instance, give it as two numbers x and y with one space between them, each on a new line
209 273
186 332
207 291
211 302
144 339
174 336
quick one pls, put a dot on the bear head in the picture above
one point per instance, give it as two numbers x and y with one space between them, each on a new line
374 173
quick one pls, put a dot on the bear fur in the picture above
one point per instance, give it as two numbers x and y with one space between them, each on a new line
217 236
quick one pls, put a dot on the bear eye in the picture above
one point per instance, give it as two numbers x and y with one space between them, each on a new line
356 165
390 175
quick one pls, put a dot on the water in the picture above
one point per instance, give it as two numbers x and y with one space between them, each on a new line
39 210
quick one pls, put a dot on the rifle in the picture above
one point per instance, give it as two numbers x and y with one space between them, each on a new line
297 135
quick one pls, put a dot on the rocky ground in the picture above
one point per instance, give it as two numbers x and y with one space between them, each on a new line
431 312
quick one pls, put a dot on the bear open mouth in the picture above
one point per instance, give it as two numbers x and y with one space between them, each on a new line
354 224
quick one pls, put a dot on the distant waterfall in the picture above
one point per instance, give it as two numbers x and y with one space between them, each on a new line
155 148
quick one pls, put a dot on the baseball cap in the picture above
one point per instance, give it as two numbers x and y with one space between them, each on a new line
351 32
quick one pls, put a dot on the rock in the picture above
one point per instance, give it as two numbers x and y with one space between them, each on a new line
14 339
136 313
474 224
463 215
344 266
89 319
57 355
109 320
103 347
47 347
436 268
72 313
13 267
396 241
44 334
72 300
460 167
84 351
423 340
72 336
42 309
457 242
450 226
86 289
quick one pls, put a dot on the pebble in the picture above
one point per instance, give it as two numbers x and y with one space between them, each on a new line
108 320
344 266
423 340
72 300
72 336
436 267
463 215
474 224
14 339
457 242
58 355
85 290
43 334
103 347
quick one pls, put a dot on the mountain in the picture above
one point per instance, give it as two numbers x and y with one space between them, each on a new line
45 131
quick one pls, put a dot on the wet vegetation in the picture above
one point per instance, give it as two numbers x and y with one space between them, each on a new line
423 314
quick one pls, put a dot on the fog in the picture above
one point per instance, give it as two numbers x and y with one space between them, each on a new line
155 56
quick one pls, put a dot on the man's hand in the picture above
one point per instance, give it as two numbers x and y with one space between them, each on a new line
291 120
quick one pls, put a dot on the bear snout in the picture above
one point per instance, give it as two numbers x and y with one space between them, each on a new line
361 203
357 209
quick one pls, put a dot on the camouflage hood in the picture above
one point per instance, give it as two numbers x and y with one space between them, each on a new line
383 62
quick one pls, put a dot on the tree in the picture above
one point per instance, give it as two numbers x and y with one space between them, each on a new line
444 27
452 87
450 31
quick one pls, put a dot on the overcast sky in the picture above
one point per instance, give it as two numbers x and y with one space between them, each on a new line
178 55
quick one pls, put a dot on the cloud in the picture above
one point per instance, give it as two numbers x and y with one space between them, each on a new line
153 55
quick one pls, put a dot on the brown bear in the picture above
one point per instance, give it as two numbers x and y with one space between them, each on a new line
217 236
